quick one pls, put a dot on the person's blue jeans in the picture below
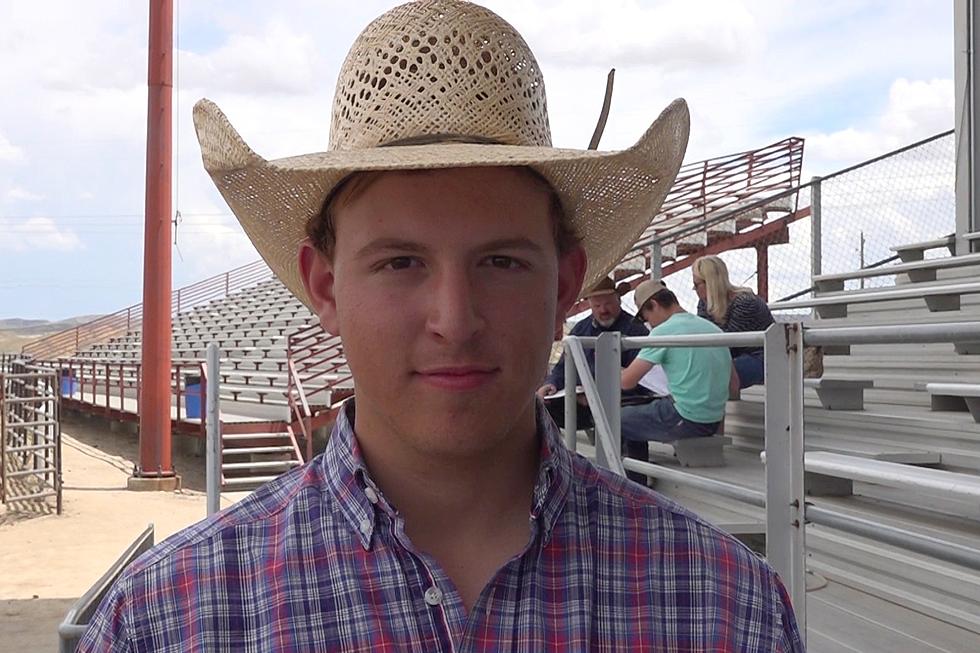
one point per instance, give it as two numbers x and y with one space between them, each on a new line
751 368
660 421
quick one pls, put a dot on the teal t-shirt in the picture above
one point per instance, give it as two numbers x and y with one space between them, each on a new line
697 376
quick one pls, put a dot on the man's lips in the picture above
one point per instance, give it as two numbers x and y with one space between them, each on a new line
461 377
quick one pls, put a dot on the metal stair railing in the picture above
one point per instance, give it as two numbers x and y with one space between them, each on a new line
316 365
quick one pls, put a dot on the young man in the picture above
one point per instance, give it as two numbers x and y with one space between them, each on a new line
606 315
445 514
697 377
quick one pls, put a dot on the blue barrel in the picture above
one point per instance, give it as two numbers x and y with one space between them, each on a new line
192 396
68 384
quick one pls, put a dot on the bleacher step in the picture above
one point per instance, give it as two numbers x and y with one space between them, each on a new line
239 451
261 464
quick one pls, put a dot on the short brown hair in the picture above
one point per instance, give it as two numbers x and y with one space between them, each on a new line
321 231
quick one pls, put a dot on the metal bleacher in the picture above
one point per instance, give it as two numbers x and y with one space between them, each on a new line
280 376
886 459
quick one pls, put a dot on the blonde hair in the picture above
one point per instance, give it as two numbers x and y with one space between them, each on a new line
718 287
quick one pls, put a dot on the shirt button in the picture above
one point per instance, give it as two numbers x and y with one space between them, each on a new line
371 495
365 526
433 595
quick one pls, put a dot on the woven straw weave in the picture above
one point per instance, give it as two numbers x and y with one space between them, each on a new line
451 71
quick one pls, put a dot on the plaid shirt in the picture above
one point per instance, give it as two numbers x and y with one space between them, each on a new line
318 560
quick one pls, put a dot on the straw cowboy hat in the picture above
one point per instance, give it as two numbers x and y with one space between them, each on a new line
457 74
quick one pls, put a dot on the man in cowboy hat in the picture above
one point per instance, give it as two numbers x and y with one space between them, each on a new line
606 315
444 513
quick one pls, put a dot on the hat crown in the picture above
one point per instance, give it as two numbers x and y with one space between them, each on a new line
441 69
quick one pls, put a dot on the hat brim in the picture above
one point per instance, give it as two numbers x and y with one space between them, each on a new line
609 198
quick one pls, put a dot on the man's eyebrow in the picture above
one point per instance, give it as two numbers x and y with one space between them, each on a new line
401 245
521 244
380 245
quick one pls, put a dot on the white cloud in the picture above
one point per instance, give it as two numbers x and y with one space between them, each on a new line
17 194
666 34
39 234
211 249
279 60
8 151
915 110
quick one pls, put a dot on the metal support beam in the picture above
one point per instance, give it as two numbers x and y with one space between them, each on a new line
571 402
608 375
785 533
965 54
762 270
155 443
603 430
816 226
213 453
656 260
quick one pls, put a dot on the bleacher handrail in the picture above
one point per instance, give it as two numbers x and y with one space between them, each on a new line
74 339
785 506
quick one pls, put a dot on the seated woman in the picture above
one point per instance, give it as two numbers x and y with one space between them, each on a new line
733 309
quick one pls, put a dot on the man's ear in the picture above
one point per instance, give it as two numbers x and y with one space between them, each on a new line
316 270
571 274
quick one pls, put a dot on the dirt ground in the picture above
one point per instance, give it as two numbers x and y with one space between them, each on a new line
49 560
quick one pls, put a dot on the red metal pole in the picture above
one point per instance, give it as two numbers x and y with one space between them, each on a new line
762 270
155 434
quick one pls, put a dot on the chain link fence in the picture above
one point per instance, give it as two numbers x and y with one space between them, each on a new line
900 198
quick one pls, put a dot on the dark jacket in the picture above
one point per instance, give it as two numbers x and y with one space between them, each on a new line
625 324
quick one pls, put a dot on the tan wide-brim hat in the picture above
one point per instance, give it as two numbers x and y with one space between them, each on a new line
442 70
606 286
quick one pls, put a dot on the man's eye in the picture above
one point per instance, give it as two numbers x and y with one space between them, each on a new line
504 262
402 263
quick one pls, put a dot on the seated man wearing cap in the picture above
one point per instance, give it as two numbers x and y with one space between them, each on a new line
444 513
607 315
697 377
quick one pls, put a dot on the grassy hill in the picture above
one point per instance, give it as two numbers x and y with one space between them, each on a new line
16 332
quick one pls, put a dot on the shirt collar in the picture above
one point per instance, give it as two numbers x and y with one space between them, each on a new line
347 477
358 498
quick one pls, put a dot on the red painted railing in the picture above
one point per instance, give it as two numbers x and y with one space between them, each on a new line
318 377
115 387
708 188
70 341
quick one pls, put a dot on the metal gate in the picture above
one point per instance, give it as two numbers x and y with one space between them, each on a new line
30 434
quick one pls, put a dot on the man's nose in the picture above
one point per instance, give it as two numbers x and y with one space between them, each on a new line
454 312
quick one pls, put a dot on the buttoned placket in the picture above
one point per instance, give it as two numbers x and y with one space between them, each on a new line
419 576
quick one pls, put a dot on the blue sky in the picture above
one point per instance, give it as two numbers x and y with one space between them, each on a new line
855 78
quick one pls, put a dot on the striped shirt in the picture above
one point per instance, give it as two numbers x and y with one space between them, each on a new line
746 312
318 560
